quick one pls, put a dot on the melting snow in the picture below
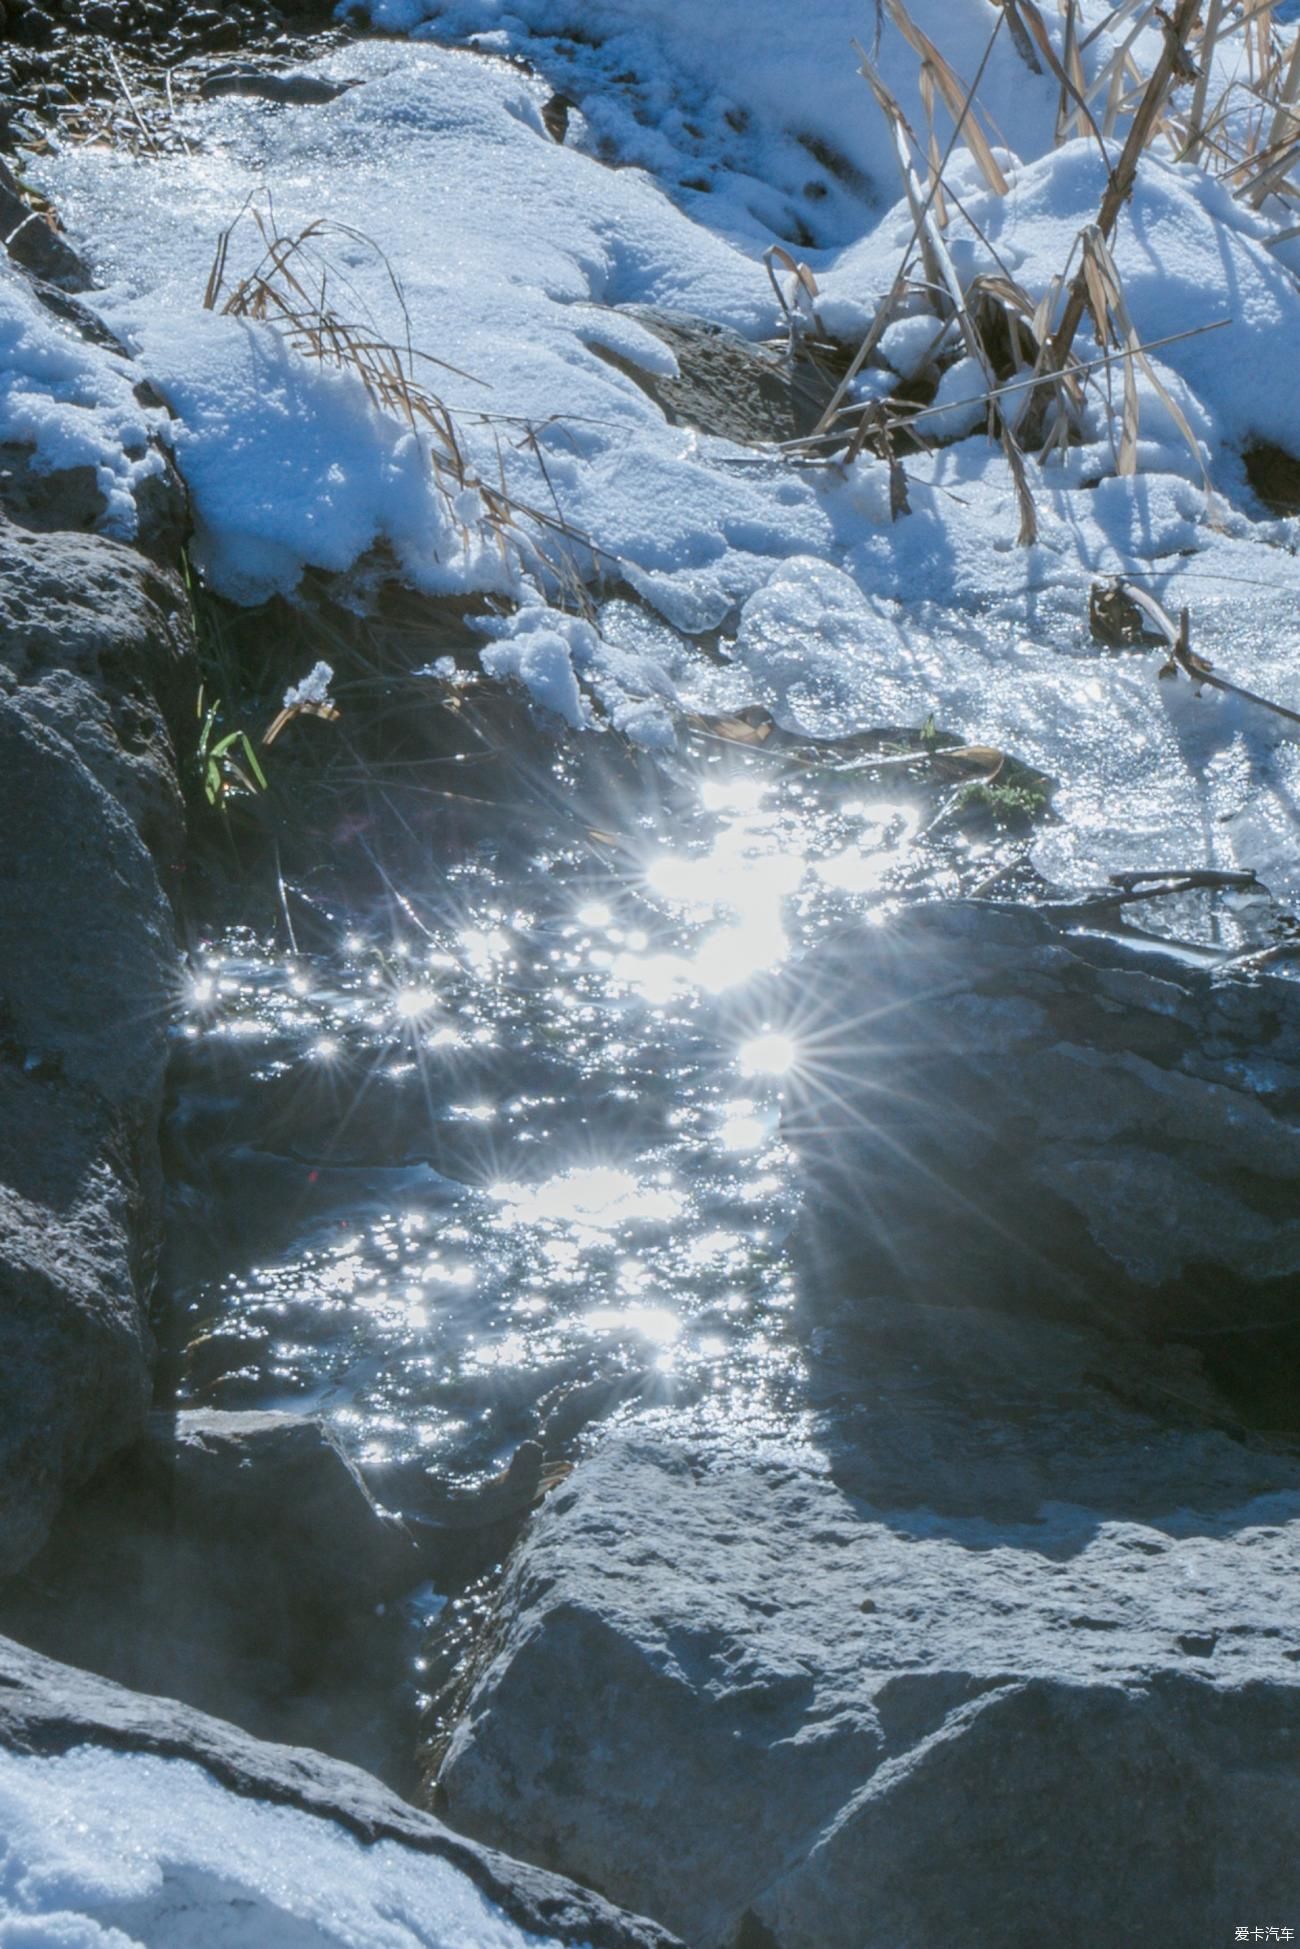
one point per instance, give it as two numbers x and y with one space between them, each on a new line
732 126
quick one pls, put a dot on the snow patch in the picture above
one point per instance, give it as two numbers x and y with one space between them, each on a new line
73 404
104 1850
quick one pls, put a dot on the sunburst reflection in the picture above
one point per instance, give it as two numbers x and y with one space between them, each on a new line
494 1165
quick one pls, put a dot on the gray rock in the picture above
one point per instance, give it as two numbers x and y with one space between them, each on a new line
47 1709
33 242
725 385
87 957
237 1562
734 1693
994 1109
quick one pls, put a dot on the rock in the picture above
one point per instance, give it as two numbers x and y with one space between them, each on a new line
47 1710
46 503
725 385
279 1491
87 959
997 1645
730 1691
33 242
238 1562
992 1108
462 1532
264 84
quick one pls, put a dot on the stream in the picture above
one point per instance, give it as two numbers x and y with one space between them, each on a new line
477 1138
474 1128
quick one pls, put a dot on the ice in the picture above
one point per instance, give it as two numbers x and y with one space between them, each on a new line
547 651
108 1850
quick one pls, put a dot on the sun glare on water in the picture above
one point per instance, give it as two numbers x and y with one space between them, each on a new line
769 1054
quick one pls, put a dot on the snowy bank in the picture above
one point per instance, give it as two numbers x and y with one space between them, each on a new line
127 1820
517 255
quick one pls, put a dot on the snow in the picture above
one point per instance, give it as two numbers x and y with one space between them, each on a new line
742 97
314 688
109 1850
698 138
71 403
1189 256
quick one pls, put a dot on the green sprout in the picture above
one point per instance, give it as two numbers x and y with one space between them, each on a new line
221 772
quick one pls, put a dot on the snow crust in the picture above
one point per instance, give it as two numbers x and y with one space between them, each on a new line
694 141
72 403
744 95
105 1850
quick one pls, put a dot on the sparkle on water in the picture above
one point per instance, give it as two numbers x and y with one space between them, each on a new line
769 1054
496 1175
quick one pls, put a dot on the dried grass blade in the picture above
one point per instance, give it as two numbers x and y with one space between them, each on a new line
1135 350
1024 46
957 99
894 295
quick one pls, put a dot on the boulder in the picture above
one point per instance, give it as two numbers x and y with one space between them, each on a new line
996 1645
989 1107
135 1814
730 1690
92 637
238 1562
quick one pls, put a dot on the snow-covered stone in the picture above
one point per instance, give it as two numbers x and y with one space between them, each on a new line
127 1820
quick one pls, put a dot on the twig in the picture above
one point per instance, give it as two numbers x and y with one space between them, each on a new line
1151 888
1200 876
1262 957
124 85
171 105
1198 668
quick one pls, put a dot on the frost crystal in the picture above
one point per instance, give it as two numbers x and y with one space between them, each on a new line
314 688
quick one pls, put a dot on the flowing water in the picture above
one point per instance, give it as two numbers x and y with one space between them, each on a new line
474 1132
501 1153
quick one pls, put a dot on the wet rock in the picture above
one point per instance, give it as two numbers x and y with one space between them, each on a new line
48 1709
278 1492
996 1109
262 84
461 1531
999 1646
732 1691
87 784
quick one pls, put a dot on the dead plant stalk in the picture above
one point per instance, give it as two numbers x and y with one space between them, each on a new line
1172 64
